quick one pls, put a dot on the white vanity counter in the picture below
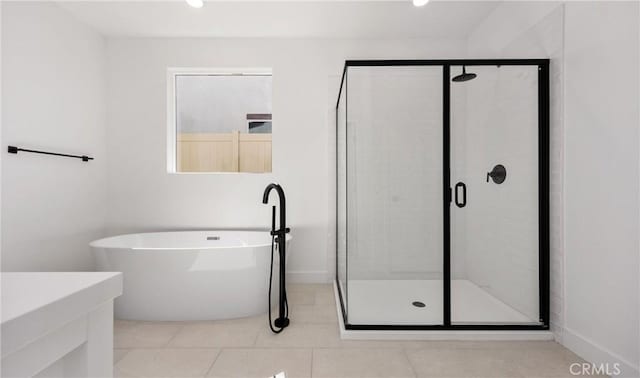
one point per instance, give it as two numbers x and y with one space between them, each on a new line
58 323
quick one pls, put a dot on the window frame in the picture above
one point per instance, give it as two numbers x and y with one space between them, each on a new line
172 121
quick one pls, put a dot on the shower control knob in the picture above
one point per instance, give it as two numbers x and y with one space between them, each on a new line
498 174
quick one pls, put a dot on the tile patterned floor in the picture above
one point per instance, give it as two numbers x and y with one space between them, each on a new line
311 347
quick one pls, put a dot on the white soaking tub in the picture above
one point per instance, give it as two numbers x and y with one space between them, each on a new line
190 275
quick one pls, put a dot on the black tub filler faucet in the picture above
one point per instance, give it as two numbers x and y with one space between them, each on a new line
280 237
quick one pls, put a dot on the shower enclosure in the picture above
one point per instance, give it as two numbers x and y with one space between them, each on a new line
442 194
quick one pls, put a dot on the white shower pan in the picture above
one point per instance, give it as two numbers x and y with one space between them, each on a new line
391 300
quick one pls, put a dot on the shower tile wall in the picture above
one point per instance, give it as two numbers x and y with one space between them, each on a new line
395 199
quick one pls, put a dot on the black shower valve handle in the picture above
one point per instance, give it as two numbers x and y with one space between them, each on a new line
280 232
491 175
498 174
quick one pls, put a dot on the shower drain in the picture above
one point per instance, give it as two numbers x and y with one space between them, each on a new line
418 304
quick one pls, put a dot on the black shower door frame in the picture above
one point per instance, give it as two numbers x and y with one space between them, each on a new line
543 192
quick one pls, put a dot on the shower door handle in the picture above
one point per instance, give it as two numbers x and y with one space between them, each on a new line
464 194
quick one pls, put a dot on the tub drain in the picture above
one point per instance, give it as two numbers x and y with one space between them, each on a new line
418 304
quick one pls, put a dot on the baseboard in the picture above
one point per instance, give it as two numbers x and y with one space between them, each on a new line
596 354
308 276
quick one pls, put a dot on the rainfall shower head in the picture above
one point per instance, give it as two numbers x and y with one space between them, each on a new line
464 76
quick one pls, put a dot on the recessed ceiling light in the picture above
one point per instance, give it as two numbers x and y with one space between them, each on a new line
419 3
195 3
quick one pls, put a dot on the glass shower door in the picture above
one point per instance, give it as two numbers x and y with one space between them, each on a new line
391 264
494 211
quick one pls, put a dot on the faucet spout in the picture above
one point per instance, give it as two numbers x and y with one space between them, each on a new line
267 190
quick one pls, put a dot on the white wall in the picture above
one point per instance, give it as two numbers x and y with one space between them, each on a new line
1 144
601 182
142 196
53 84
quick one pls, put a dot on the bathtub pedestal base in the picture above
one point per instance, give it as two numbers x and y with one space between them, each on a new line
281 322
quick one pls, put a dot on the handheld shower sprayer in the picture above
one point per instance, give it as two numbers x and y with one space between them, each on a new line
278 240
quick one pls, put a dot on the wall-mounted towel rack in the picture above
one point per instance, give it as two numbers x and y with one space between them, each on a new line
14 150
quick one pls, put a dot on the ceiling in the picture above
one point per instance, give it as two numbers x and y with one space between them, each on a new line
315 19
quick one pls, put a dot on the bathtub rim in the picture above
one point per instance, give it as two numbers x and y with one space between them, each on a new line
98 243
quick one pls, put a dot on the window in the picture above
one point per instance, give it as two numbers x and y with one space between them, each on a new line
219 120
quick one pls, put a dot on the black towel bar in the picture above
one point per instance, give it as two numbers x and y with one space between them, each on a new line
14 150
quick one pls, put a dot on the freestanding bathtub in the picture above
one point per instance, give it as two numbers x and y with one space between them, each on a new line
190 275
